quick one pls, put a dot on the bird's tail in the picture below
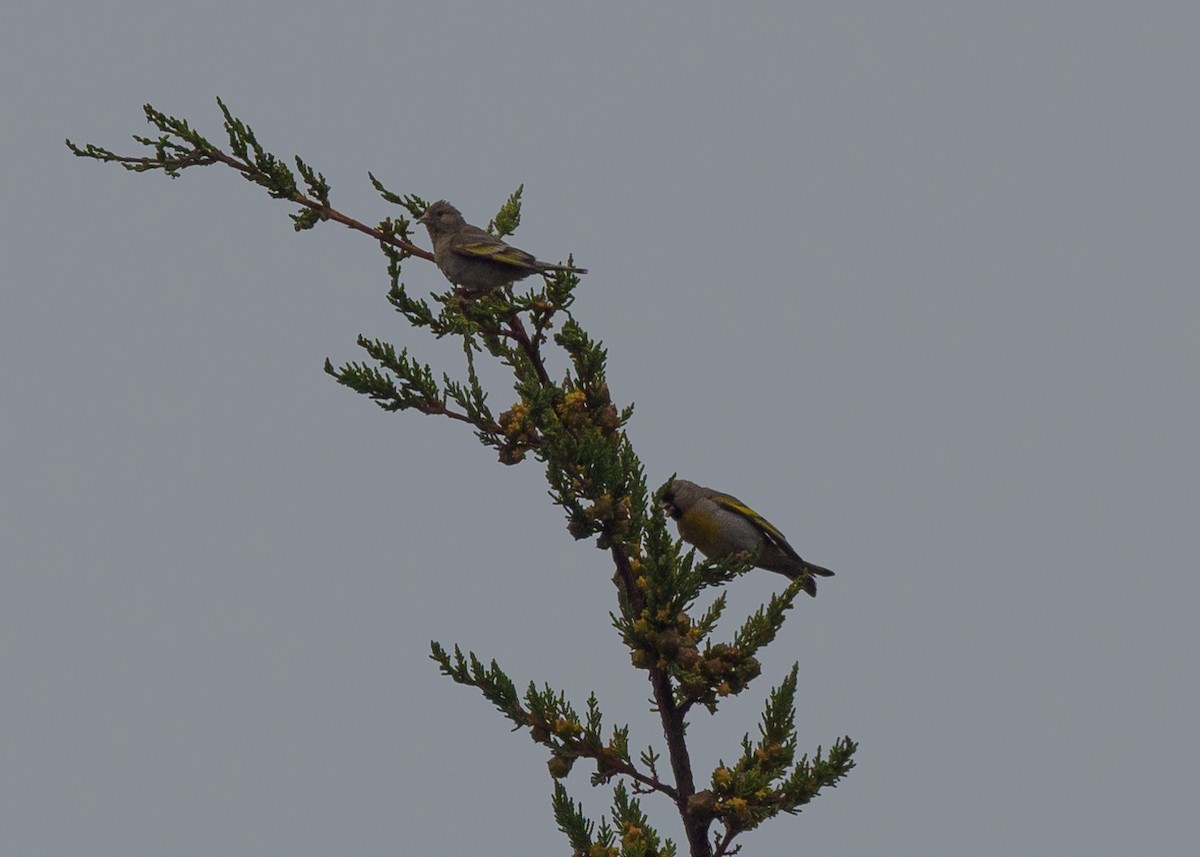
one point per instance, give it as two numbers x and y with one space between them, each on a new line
807 570
818 570
567 268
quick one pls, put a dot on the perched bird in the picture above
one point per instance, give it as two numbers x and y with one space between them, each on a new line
474 260
720 525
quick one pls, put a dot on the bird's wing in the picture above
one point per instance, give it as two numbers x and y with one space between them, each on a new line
733 504
487 247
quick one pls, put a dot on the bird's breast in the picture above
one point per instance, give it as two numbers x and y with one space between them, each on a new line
703 531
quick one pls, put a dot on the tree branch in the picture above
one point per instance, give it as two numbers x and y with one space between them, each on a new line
674 730
578 433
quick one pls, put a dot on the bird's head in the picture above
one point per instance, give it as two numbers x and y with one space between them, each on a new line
679 495
441 217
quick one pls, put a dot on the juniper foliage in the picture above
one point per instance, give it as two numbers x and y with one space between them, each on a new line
576 432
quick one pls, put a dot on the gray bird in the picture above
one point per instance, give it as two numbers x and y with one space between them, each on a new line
720 525
472 259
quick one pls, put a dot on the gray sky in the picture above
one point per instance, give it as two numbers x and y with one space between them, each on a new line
916 280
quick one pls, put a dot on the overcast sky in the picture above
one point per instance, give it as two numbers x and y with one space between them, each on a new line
918 281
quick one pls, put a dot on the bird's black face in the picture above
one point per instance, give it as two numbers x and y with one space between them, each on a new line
679 496
668 505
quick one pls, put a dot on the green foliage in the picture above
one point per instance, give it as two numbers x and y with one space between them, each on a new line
573 823
415 205
575 430
508 218
628 834
554 722
767 779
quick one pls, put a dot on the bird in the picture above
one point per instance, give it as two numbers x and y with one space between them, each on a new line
474 260
721 525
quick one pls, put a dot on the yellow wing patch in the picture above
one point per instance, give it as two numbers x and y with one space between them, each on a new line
497 251
768 529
